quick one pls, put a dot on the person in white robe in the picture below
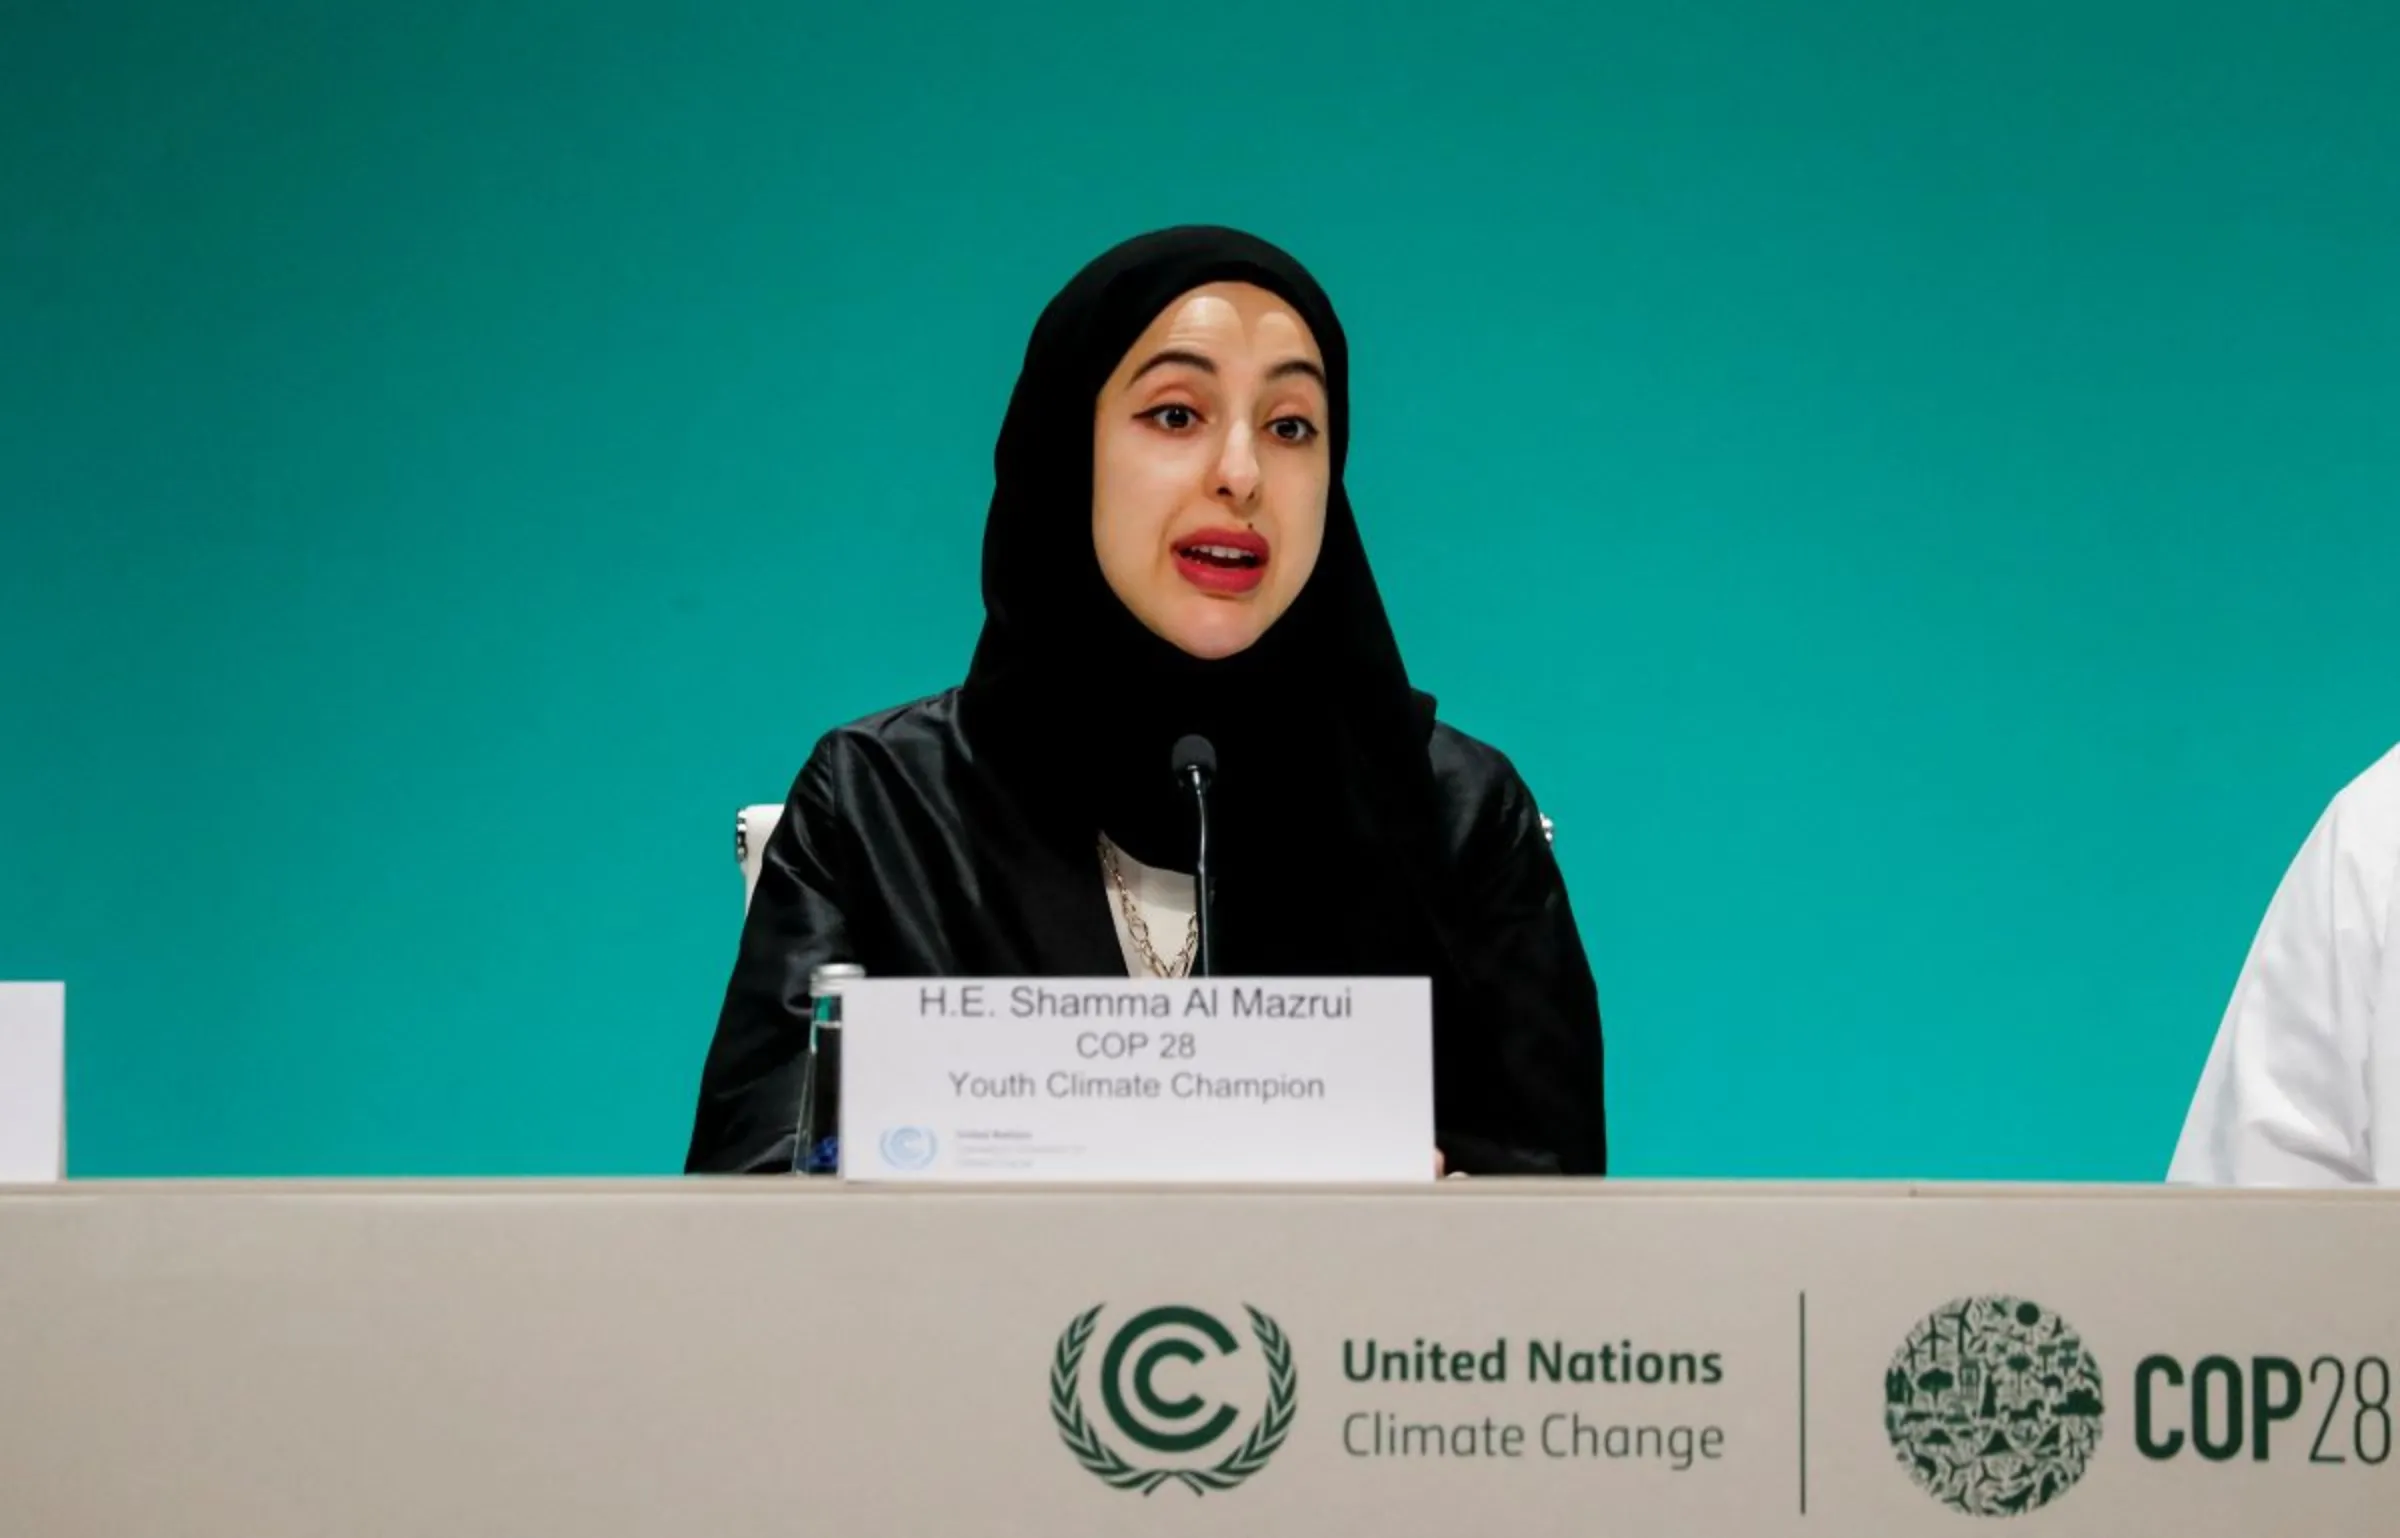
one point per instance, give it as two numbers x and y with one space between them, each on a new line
2302 1085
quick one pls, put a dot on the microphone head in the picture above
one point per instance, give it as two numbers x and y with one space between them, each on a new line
1195 757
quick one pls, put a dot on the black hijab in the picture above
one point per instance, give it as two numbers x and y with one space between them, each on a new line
1321 740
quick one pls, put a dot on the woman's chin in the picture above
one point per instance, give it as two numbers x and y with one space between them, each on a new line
1219 630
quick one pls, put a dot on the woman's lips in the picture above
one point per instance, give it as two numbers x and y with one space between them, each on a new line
1222 560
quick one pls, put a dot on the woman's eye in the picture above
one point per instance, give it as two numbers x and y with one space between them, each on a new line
1173 418
1293 429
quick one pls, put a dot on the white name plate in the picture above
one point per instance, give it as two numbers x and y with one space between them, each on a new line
33 1081
1115 1079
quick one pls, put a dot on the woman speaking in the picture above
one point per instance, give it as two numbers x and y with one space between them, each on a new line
1168 552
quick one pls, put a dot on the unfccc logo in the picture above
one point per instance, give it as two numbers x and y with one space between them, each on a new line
908 1148
1148 1399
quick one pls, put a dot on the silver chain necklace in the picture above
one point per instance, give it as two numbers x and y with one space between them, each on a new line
1139 927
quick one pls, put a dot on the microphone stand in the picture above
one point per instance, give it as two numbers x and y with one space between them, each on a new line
1203 897
1195 765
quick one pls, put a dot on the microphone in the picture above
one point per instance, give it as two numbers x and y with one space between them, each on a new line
1195 766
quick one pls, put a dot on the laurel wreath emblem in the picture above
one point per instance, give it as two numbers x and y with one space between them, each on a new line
1066 1408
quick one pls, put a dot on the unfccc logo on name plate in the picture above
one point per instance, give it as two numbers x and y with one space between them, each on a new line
907 1148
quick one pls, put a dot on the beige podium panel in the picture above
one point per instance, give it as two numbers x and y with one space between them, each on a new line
750 1357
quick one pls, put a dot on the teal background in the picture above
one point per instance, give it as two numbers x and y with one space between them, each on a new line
1912 487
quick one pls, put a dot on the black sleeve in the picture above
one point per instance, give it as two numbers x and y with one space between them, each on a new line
749 1112
1523 1071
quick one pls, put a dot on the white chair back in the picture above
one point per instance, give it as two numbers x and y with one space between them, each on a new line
751 825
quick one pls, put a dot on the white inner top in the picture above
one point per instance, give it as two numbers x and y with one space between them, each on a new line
1166 901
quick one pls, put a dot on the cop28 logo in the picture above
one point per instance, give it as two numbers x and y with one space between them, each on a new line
1994 1405
1158 1409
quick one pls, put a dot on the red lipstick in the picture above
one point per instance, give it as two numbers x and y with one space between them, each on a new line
1222 560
